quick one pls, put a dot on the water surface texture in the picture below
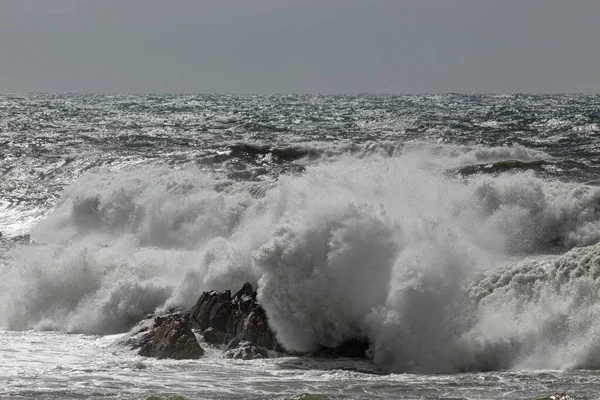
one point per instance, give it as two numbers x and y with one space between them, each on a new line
459 233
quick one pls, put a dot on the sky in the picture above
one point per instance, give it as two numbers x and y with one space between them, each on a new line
300 46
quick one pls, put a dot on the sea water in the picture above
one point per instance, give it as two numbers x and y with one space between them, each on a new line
458 233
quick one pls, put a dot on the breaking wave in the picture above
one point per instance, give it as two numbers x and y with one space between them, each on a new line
428 266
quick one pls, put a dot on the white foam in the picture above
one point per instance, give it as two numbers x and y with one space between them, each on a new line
450 156
545 312
383 246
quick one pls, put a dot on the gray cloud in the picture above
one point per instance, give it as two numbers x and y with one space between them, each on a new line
275 46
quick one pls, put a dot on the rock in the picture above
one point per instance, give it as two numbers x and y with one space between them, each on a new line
246 290
352 348
238 317
237 322
214 336
257 330
233 344
247 351
170 337
212 310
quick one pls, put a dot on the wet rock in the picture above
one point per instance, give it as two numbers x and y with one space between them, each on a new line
212 310
247 351
238 317
236 323
257 331
171 336
233 344
214 336
246 291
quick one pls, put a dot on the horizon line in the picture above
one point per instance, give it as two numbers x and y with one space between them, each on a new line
109 93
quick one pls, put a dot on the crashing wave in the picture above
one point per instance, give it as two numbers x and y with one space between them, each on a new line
382 246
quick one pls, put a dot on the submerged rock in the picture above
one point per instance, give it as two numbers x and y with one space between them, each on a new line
170 337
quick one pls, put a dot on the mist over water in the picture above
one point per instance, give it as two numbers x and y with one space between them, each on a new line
448 254
389 247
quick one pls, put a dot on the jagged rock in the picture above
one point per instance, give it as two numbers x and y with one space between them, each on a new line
238 323
247 351
233 344
257 330
170 337
239 317
214 336
246 290
212 310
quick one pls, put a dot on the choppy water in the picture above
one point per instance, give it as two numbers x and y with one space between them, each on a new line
50 365
458 232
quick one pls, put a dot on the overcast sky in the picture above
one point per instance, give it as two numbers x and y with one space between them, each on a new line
309 46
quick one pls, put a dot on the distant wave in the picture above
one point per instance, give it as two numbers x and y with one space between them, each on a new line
446 155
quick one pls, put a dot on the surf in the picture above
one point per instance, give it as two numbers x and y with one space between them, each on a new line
391 247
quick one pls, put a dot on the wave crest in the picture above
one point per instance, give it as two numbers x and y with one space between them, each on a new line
380 246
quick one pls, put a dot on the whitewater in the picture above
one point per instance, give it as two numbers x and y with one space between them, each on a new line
459 234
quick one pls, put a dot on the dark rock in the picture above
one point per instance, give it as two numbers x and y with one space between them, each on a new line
352 348
170 337
239 323
233 344
247 351
212 310
246 290
214 336
257 330
246 303
238 317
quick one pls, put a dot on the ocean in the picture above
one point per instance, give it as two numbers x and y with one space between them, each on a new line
459 233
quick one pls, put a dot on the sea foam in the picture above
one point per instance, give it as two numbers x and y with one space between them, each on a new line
393 248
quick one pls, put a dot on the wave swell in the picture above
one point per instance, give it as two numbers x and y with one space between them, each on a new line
386 247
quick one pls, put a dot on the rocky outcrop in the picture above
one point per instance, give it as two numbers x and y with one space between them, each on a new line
239 319
170 337
237 324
